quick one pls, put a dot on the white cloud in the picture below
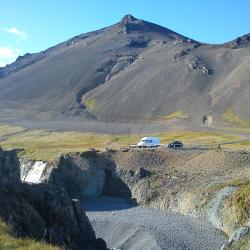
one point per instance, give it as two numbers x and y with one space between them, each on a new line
8 55
19 33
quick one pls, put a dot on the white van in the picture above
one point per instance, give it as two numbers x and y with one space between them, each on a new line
149 142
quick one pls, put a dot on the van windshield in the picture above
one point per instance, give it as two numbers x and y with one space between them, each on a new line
147 141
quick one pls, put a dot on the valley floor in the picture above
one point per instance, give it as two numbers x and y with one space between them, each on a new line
92 126
117 128
126 226
55 138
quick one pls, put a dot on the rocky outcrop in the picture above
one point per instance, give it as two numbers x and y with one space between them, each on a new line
198 64
46 213
240 239
82 175
122 61
42 211
9 166
239 42
176 55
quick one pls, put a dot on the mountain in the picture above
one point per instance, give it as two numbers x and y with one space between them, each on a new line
132 71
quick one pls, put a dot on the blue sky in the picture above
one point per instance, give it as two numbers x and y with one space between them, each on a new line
32 26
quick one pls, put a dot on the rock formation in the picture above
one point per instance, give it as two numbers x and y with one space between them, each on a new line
42 211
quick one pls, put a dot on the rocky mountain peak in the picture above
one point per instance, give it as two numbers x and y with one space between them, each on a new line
128 19
130 24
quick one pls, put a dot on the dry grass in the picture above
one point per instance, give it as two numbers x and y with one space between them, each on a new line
49 145
240 201
177 114
8 242
90 103
4 129
197 137
232 118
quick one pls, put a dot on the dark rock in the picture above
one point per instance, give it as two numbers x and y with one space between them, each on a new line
45 212
115 186
142 173
79 174
9 166
101 244
139 42
128 19
178 54
42 211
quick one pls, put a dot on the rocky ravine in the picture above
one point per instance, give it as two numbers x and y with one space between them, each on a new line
44 212
208 184
124 225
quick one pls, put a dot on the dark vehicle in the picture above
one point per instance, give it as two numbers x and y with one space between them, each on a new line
175 144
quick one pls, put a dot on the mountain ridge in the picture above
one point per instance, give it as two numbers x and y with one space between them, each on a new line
127 19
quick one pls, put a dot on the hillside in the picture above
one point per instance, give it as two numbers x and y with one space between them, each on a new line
130 72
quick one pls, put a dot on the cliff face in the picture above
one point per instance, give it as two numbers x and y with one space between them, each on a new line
209 184
42 211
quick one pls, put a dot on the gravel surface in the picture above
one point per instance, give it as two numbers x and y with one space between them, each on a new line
90 126
126 226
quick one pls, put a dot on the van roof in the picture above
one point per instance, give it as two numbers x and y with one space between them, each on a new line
150 138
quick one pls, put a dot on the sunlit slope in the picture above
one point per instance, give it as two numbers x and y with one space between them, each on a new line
131 71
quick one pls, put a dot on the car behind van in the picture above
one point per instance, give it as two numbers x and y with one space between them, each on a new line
175 144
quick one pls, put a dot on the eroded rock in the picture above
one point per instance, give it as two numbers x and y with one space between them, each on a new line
42 211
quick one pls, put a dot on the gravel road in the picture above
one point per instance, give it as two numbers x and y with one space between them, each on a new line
125 226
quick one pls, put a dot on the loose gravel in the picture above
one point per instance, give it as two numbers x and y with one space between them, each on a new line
126 226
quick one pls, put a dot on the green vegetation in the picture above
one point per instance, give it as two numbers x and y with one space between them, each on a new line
49 145
177 114
240 202
236 207
90 103
242 244
8 242
232 118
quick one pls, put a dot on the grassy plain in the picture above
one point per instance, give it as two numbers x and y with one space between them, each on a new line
48 145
